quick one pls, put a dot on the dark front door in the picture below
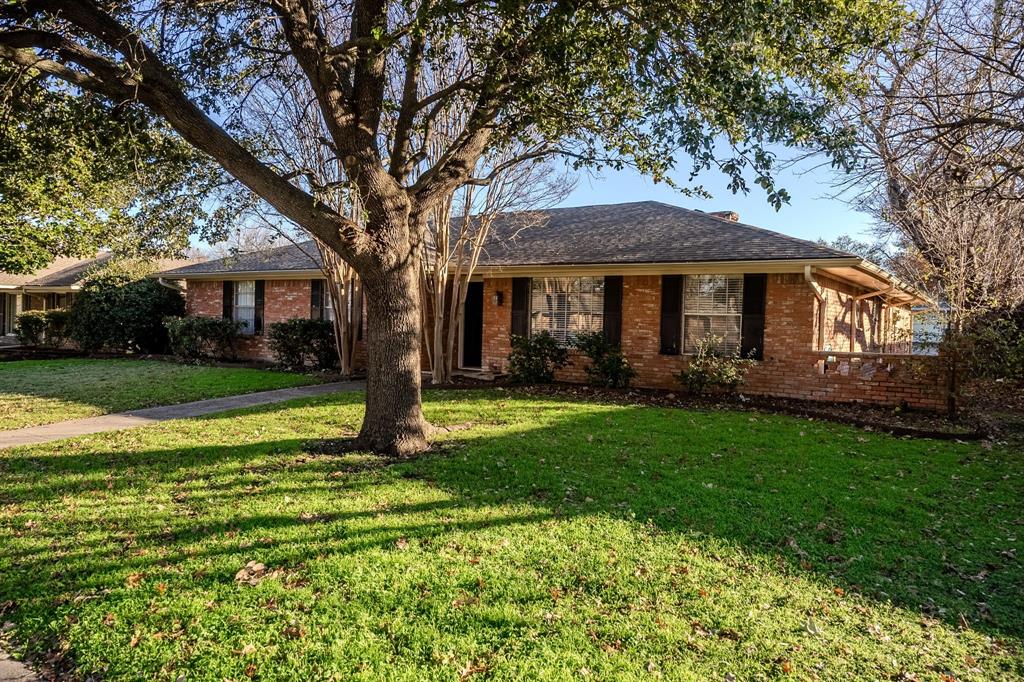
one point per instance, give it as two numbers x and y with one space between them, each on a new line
473 326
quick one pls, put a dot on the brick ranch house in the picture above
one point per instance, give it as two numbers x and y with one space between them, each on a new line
53 287
822 324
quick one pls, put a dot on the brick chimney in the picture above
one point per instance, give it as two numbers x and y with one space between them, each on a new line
726 215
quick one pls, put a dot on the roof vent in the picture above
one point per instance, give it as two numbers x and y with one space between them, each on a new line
726 215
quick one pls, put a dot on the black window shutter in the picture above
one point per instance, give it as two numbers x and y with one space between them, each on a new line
613 309
521 306
316 299
752 341
229 300
257 322
671 314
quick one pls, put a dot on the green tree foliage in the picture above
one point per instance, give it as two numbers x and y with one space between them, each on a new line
402 99
78 173
119 310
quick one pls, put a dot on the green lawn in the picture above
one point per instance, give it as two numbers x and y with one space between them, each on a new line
45 391
551 540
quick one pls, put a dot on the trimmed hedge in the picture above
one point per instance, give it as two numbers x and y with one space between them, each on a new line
534 359
38 327
195 337
299 341
30 326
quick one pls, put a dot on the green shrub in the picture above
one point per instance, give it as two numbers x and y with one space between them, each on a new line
710 370
116 312
296 341
30 326
58 327
534 359
990 346
608 366
195 337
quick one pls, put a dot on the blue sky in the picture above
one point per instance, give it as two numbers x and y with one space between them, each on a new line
811 214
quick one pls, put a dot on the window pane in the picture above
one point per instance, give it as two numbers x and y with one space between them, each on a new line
712 306
245 305
245 294
564 306
698 327
715 294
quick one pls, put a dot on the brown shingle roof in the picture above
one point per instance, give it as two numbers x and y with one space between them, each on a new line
638 232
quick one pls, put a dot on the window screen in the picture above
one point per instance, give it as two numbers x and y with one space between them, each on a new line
245 306
713 306
565 306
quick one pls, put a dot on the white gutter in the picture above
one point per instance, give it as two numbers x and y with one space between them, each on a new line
173 287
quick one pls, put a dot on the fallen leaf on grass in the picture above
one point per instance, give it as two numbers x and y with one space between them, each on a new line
402 543
294 632
812 627
253 573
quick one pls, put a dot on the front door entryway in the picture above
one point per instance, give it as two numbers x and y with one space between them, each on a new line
473 326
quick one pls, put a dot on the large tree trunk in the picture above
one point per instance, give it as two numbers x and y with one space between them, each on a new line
394 422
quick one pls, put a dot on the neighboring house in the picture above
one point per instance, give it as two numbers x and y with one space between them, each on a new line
54 286
654 277
51 287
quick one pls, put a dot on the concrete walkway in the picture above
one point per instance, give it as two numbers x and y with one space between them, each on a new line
153 415
15 671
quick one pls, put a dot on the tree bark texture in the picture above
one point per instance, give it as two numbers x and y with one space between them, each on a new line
394 423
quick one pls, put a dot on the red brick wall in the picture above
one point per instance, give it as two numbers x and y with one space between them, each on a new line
283 299
791 368
497 324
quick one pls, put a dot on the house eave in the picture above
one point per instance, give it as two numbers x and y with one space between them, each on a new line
44 289
666 268
239 275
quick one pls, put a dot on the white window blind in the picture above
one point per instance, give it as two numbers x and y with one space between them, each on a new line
713 306
565 306
245 305
328 304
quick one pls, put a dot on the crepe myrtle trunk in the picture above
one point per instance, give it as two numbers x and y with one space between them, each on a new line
394 422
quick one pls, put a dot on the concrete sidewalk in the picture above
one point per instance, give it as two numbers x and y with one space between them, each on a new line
153 415
15 671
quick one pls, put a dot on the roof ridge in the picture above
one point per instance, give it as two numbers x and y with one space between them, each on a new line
763 230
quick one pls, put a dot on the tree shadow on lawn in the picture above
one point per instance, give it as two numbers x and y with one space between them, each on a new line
925 525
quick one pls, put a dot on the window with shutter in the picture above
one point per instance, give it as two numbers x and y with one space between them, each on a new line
565 306
713 307
244 309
